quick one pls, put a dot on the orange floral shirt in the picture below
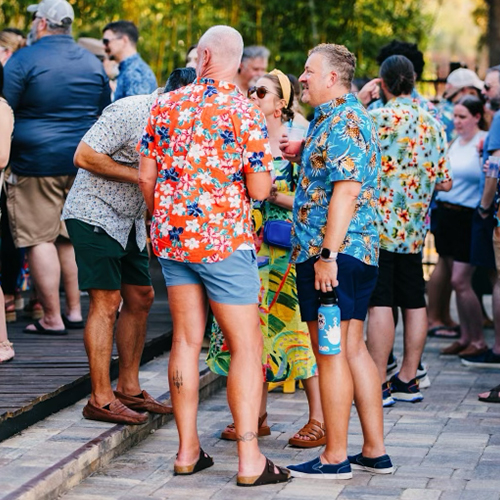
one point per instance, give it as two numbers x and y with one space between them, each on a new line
204 138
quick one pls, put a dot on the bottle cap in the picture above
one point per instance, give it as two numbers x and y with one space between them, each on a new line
329 298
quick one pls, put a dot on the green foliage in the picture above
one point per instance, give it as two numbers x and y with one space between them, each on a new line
288 28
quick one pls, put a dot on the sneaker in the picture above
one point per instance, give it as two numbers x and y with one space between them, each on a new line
315 469
423 379
379 465
405 391
487 359
392 365
387 399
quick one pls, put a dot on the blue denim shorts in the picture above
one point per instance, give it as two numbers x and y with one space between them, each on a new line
356 283
234 280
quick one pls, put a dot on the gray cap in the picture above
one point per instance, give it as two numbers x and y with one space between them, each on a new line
55 11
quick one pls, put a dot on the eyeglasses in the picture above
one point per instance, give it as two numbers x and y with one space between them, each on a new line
260 91
107 41
486 87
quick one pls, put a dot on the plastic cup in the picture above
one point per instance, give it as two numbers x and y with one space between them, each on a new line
296 137
493 166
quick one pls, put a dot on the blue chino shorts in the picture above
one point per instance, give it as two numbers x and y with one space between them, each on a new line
234 280
356 283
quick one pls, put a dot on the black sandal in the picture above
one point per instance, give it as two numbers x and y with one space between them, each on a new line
204 462
493 396
268 476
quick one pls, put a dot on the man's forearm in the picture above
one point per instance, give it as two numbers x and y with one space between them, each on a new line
104 166
147 181
490 187
340 212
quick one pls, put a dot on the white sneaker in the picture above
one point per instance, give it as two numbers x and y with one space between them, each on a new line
424 381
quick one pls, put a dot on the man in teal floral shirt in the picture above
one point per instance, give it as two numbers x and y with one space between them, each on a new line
335 244
413 166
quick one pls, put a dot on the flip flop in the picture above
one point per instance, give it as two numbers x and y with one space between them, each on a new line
72 325
268 476
433 332
40 329
204 462
493 396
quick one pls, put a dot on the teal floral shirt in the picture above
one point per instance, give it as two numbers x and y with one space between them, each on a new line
414 160
341 145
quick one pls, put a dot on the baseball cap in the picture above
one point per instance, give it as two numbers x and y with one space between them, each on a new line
463 77
55 11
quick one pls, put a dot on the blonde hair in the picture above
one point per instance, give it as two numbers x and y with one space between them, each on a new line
11 41
338 58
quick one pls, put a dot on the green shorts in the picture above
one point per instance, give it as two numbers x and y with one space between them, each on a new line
102 262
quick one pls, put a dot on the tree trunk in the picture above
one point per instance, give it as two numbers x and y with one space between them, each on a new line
494 32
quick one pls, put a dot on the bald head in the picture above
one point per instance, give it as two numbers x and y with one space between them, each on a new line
224 44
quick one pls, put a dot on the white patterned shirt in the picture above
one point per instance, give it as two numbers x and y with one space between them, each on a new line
111 205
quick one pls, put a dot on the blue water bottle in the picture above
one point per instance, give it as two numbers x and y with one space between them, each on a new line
329 324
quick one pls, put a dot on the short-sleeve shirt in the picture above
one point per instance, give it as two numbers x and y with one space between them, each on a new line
413 161
113 206
135 78
341 145
445 115
492 144
205 138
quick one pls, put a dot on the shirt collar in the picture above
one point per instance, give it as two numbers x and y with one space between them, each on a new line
328 107
129 60
220 84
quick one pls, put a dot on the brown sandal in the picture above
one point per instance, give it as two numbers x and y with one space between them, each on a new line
229 432
313 430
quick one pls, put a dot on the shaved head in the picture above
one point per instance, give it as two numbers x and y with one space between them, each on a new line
224 43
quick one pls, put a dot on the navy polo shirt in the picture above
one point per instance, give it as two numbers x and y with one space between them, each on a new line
57 90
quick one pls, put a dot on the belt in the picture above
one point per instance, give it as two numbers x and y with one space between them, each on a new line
457 208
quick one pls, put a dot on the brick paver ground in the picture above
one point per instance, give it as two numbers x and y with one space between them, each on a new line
444 448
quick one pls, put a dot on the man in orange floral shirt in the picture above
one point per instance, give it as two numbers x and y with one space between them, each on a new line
205 153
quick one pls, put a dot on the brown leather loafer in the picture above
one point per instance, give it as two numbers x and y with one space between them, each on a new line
118 413
146 403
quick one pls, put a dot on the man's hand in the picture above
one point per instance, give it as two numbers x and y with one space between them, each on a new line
284 144
370 92
325 275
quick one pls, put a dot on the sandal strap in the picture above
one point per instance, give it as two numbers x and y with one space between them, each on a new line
6 343
262 418
313 429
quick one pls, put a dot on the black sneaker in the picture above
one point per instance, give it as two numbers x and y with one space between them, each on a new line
379 465
405 391
387 399
392 365
486 359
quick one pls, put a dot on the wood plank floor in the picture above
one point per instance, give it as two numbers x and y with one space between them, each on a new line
50 372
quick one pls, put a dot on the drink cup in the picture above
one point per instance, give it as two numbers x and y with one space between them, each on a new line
296 137
493 166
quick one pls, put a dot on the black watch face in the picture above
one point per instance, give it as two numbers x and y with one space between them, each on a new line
325 253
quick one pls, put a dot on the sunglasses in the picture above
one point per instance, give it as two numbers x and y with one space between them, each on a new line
487 87
260 91
107 41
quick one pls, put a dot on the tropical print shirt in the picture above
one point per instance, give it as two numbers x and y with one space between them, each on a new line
205 138
135 78
418 99
413 161
341 145
445 112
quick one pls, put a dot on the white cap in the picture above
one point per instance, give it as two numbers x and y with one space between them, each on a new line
55 11
463 77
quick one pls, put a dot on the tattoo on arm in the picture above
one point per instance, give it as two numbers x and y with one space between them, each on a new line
248 436
177 379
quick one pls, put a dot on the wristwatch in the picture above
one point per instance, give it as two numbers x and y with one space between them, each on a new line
327 255
483 210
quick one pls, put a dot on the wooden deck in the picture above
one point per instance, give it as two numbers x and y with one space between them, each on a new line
50 373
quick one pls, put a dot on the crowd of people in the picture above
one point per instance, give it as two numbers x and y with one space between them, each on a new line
251 226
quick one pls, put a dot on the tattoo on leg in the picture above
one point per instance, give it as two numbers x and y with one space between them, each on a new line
248 436
177 379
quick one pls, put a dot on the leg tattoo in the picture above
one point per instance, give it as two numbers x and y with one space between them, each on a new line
177 379
248 436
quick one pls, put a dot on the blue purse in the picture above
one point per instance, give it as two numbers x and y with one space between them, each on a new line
278 233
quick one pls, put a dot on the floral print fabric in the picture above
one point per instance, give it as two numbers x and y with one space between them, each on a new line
413 161
205 138
341 145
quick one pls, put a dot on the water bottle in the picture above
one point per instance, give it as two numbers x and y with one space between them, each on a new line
329 324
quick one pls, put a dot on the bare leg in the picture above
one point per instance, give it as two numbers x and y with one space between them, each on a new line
336 388
415 335
189 312
98 339
380 337
70 280
3 325
367 393
263 402
439 294
469 308
131 335
46 271
496 314
240 325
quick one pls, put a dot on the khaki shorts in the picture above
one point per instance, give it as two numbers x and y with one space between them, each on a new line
35 206
496 247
